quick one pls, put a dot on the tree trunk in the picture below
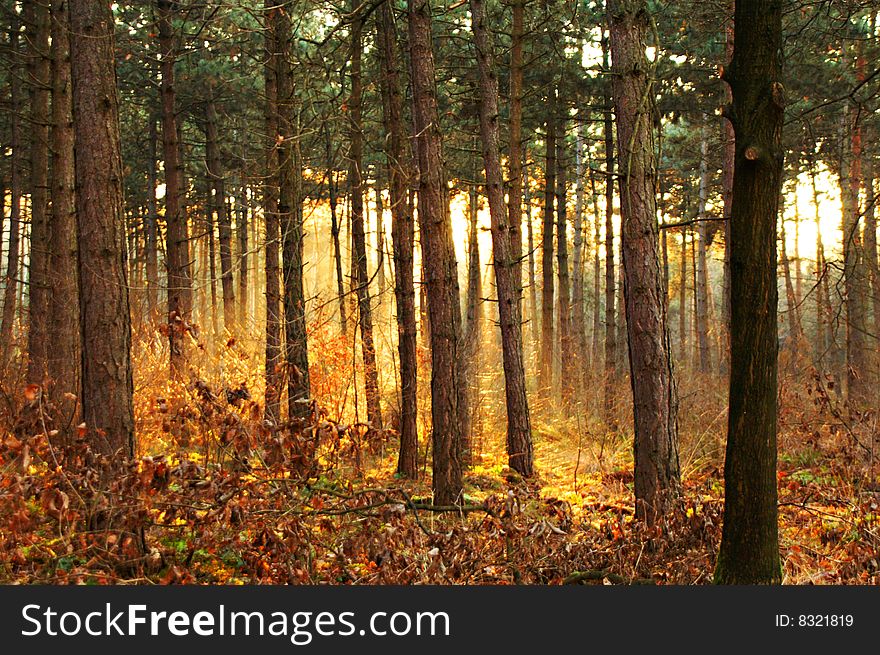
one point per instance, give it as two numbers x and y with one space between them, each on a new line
728 159
273 360
242 207
610 324
447 392
749 552
355 173
473 314
64 332
152 225
290 213
176 236
39 287
402 237
107 385
505 258
580 350
515 152
545 381
653 387
533 284
702 272
10 294
563 315
791 307
224 220
597 280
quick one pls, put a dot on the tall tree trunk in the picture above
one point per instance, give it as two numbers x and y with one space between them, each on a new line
610 324
580 350
515 152
447 392
597 280
64 333
273 360
871 261
682 301
563 316
211 235
545 380
335 228
176 235
749 552
242 206
39 287
402 237
653 387
854 274
791 307
702 270
473 314
10 293
504 256
290 212
355 172
728 160
533 284
107 385
152 225
224 220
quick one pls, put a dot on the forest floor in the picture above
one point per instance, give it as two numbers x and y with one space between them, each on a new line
219 497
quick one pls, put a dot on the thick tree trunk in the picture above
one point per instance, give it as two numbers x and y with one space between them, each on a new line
176 234
749 552
291 219
355 174
10 294
653 387
447 390
402 237
224 220
64 333
504 255
107 385
39 286
545 379
273 360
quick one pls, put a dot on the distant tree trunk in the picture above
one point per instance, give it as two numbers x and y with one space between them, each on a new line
224 220
365 311
749 552
242 207
533 284
176 237
597 282
505 256
152 225
563 315
791 308
39 287
402 237
824 337
64 332
728 160
273 361
447 392
15 191
545 379
335 228
473 312
107 385
211 231
854 274
610 324
380 244
702 269
871 240
682 300
653 388
580 350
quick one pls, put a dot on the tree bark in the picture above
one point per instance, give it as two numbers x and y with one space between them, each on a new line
702 269
567 378
39 287
176 236
505 257
655 403
610 323
749 552
355 173
444 310
402 237
515 151
580 350
224 220
545 380
107 385
152 224
64 327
